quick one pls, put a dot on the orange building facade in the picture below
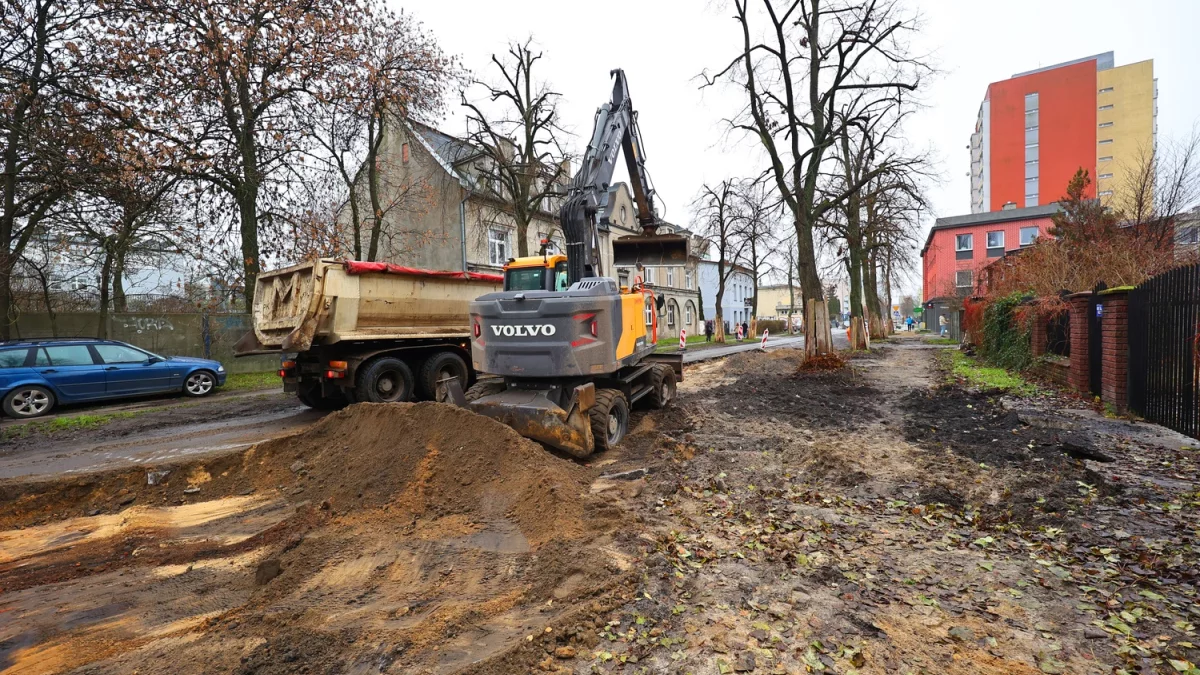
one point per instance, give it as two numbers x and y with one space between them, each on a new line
1036 129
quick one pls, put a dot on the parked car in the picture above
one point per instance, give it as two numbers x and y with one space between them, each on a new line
37 375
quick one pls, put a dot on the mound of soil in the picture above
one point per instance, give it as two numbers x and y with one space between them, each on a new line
428 461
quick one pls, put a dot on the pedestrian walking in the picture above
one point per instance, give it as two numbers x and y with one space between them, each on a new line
945 325
745 329
708 330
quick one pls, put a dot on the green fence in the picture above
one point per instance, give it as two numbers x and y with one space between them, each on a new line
209 336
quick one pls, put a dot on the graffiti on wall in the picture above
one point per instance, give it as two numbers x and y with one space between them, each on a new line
144 324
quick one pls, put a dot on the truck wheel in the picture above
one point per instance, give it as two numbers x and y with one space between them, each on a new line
662 379
311 397
384 380
610 418
484 388
437 368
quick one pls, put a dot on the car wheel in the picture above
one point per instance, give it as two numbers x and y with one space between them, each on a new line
199 383
28 401
384 380
439 367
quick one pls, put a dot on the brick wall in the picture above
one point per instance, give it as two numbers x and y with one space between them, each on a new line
1114 327
1078 372
1037 338
1053 369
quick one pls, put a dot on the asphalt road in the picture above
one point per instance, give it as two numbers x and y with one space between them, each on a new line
694 355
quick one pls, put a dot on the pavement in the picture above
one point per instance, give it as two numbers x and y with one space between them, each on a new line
696 355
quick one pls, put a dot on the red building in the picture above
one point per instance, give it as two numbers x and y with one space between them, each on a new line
958 247
1036 129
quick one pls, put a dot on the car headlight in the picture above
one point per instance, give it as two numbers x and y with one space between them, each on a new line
220 369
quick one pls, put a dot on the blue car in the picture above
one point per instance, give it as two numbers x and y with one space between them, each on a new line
36 375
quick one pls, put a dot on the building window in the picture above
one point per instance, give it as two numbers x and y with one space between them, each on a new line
1105 175
1028 235
1031 102
1106 107
687 314
1107 158
1106 90
404 153
649 312
671 314
995 239
498 246
1104 125
1031 120
1031 170
1031 199
1031 186
1106 141
962 278
1031 136
964 242
687 281
648 275
1106 193
1031 153
671 277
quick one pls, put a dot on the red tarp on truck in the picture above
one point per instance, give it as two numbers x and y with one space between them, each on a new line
360 267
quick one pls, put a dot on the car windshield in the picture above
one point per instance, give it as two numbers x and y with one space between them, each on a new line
526 279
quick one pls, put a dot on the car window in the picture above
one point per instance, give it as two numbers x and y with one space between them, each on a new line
42 359
70 355
120 354
13 358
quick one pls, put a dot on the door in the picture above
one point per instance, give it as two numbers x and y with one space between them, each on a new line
71 370
132 371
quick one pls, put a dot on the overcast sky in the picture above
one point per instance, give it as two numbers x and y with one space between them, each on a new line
663 47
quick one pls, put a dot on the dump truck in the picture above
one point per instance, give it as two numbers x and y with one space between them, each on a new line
570 350
351 331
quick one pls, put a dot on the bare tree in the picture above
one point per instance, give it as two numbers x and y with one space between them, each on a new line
760 209
798 59
515 125
719 218
1163 182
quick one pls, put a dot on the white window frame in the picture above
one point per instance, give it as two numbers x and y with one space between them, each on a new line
499 247
1106 158
671 277
1105 193
1105 125
649 312
970 242
1105 90
670 314
648 275
1104 176
687 313
1107 141
687 280
958 278
1036 233
1105 107
989 239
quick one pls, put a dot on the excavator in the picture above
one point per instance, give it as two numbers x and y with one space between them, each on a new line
571 351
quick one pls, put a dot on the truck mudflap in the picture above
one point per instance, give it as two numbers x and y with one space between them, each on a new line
531 413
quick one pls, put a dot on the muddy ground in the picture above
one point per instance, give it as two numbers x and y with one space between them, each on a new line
872 519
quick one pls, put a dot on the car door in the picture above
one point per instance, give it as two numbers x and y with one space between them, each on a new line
131 371
12 367
72 370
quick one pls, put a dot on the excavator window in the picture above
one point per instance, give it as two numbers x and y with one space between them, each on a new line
525 279
560 276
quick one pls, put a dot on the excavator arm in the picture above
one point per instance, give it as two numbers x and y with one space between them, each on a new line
615 130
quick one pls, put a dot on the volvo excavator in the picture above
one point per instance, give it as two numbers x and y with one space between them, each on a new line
571 350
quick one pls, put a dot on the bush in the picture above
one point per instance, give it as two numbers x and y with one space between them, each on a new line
1006 333
776 326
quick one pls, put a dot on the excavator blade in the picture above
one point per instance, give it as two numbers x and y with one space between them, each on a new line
531 414
650 251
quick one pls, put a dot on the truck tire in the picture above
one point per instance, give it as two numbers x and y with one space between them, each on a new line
437 367
610 419
484 388
662 379
384 380
310 395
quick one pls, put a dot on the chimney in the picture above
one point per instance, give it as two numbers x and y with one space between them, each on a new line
1009 206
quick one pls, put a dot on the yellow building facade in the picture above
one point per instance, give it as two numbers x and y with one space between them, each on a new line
1126 119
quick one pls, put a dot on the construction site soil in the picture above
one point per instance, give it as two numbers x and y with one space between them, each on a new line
404 537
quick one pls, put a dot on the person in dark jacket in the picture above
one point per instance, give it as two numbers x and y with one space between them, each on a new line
745 330
708 330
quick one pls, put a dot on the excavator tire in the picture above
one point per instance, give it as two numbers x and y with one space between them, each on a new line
610 419
662 378
385 379
484 388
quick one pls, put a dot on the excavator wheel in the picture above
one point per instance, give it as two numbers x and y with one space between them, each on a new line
662 378
610 419
484 388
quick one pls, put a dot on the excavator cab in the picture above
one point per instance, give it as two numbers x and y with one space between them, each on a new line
536 273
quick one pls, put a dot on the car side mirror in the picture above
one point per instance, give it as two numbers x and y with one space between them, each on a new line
153 360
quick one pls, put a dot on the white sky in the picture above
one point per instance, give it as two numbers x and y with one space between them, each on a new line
663 46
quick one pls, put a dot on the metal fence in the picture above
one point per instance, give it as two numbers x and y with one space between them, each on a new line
1163 331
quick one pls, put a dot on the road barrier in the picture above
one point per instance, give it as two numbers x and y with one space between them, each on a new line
763 344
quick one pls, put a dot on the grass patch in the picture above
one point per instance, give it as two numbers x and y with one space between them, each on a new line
697 342
72 423
968 369
939 341
250 381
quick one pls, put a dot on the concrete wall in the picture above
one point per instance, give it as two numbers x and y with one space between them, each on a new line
164 334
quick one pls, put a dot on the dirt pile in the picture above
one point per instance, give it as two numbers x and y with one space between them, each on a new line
772 385
426 461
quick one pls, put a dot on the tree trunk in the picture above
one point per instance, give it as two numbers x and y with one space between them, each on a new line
871 286
887 284
45 284
818 336
248 212
373 188
858 329
118 283
719 325
105 277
